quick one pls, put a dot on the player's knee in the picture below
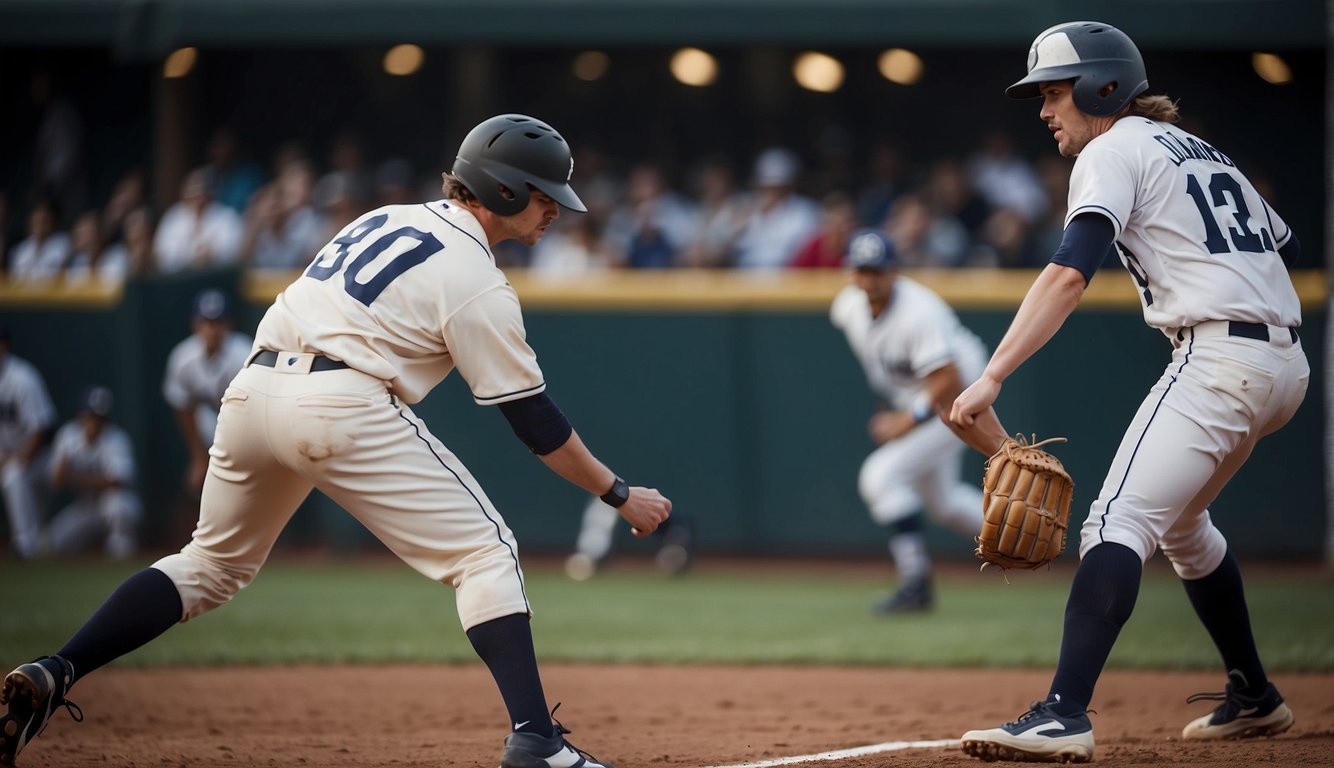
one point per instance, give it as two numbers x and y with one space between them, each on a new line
1196 554
204 582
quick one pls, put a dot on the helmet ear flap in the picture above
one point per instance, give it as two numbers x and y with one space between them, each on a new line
490 189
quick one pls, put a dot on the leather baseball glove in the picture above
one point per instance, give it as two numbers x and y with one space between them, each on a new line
1026 495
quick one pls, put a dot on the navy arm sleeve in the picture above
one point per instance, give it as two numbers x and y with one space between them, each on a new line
1085 243
1291 251
538 422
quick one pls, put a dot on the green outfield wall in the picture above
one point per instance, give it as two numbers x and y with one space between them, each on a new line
731 393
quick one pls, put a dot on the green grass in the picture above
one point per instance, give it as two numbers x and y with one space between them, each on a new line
380 611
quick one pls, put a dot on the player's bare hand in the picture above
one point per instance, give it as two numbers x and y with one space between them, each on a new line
885 426
645 510
971 402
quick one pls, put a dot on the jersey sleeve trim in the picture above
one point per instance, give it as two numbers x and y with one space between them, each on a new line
1099 210
510 395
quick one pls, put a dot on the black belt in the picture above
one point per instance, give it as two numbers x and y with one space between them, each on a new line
1257 331
269 359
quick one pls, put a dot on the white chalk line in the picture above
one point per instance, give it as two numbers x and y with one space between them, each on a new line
870 749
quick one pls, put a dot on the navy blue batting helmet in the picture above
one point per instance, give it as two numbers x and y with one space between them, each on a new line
515 151
870 249
1092 54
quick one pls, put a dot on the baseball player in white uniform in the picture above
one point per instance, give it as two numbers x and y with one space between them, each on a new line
399 298
1209 258
916 355
27 418
93 459
199 369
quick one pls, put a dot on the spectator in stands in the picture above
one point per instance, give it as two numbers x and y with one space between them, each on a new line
923 237
137 236
825 250
126 196
338 202
394 183
235 178
93 259
347 165
93 459
950 195
58 152
1005 179
197 232
781 220
40 257
884 183
723 211
573 246
652 224
283 228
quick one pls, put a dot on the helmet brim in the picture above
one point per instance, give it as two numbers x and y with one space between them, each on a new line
563 194
1030 86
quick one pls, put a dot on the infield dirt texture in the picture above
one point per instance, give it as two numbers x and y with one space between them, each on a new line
692 716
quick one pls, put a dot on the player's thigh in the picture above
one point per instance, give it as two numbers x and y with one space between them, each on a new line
418 498
1173 455
249 494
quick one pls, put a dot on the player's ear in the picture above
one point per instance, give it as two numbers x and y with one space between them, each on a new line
505 192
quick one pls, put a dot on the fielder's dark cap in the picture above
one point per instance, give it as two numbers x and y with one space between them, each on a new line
96 400
4 332
870 249
212 304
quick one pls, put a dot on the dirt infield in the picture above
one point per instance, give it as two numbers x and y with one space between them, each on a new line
659 716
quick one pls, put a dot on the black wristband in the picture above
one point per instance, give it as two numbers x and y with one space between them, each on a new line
618 495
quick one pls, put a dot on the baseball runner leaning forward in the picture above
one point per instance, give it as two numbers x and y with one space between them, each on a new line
916 355
402 296
1209 258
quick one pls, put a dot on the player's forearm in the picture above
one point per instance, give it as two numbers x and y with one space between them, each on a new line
574 462
1050 300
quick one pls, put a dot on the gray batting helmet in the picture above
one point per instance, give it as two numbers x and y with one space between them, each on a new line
515 151
1092 54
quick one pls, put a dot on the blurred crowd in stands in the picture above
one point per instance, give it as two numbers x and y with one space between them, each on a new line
986 207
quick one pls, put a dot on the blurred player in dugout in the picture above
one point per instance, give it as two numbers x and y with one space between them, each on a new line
93 461
27 419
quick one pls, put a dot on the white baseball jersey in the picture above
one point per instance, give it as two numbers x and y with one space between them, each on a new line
195 380
1202 246
25 405
1199 241
109 456
111 514
916 334
402 295
25 408
454 308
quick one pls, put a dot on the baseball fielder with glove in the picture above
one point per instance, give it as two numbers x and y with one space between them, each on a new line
401 297
1209 258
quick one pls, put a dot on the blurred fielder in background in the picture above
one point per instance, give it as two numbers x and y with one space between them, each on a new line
916 355
1209 257
199 369
398 299
93 459
27 418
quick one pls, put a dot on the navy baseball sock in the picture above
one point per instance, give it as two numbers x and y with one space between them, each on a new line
506 645
143 607
1220 601
1102 598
